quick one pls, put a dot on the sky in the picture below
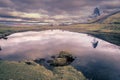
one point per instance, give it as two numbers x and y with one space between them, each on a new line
36 11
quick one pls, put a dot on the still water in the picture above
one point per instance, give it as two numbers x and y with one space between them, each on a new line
100 62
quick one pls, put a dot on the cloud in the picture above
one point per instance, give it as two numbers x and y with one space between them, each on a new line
6 3
111 4
52 10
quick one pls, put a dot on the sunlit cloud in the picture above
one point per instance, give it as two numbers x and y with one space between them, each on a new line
27 15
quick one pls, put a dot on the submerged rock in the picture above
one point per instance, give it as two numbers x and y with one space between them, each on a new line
40 60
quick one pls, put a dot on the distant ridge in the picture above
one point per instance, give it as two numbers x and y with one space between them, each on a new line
103 18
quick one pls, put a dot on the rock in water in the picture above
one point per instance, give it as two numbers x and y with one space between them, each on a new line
64 58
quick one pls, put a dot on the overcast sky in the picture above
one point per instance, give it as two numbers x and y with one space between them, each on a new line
51 10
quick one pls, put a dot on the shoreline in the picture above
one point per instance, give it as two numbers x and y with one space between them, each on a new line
110 37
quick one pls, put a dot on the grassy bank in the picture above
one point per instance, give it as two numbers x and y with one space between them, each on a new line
22 71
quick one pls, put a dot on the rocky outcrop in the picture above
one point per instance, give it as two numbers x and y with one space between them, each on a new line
96 12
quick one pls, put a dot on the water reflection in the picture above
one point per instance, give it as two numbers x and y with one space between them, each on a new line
94 43
99 62
0 48
30 45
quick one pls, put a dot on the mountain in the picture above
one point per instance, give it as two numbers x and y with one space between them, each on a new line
113 17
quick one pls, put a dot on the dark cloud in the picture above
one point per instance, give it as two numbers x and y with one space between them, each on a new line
7 16
6 3
53 9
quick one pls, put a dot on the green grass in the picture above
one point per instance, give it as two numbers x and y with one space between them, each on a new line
113 19
21 71
11 70
68 73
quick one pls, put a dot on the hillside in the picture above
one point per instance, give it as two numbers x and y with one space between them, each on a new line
109 29
109 18
114 19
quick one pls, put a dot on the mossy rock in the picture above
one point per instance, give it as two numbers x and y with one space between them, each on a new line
64 58
64 54
58 62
